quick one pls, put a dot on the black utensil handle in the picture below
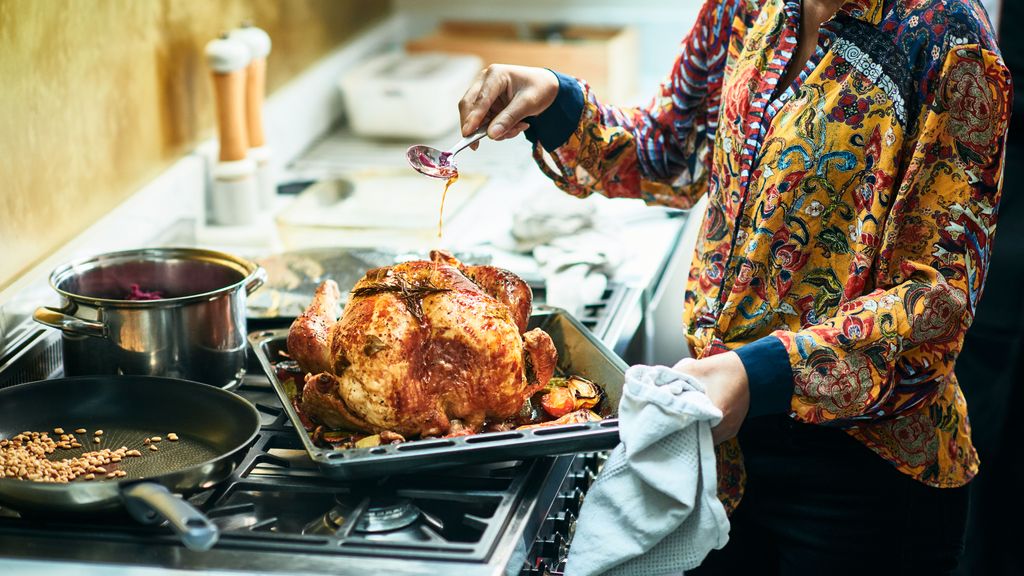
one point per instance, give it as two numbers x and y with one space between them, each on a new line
149 502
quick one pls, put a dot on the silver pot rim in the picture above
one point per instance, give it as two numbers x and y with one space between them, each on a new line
252 275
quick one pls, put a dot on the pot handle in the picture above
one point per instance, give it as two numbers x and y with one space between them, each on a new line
257 279
55 318
149 502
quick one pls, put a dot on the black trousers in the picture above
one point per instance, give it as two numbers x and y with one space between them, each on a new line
818 502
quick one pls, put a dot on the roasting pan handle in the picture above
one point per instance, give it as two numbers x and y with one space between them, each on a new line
149 502
64 322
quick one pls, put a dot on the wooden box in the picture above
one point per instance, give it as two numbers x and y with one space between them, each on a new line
606 57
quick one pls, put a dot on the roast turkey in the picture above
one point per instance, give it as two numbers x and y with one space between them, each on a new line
423 348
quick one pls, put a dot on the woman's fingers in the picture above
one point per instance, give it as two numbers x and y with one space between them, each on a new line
515 131
466 117
523 104
479 99
501 98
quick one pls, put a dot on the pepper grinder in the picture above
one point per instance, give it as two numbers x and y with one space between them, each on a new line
258 43
234 199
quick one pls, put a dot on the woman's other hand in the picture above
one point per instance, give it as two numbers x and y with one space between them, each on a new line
502 96
725 380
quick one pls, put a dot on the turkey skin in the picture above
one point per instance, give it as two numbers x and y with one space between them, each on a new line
423 348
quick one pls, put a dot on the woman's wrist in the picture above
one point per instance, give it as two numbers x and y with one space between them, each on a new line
551 88
726 366
726 385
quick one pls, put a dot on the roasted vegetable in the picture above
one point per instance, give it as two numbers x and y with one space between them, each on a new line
337 437
576 417
587 394
317 436
568 395
531 411
369 441
558 402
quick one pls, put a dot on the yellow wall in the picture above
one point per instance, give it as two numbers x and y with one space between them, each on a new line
98 96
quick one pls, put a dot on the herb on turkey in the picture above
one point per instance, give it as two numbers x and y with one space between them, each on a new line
411 294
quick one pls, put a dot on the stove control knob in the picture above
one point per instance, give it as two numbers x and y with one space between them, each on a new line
573 501
565 524
541 569
555 549
584 479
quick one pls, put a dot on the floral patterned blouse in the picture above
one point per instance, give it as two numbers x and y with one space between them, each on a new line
850 217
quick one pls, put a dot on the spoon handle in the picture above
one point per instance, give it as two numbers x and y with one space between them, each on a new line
467 141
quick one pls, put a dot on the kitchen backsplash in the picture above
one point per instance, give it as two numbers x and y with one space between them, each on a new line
99 96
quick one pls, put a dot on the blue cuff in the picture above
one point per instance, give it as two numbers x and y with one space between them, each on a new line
554 126
769 374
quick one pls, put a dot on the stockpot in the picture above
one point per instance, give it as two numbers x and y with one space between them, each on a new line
195 330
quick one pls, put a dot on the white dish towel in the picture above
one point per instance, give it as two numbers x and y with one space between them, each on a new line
654 507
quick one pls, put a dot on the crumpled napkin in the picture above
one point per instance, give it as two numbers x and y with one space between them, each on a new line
654 507
573 251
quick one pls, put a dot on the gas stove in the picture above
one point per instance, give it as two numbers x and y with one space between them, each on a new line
278 515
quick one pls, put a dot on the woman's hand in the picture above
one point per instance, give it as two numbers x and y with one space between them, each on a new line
725 379
502 96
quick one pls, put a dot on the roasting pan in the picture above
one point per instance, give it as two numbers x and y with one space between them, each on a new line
579 353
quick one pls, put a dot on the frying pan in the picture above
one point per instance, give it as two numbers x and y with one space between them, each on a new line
214 428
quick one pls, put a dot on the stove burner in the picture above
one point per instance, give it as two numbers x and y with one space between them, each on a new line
331 523
386 515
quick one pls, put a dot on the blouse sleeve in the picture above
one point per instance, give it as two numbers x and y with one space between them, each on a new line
659 152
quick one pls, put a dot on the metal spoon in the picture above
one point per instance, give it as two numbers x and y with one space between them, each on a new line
437 164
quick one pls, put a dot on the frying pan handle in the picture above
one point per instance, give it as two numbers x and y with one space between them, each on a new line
255 280
55 318
148 502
